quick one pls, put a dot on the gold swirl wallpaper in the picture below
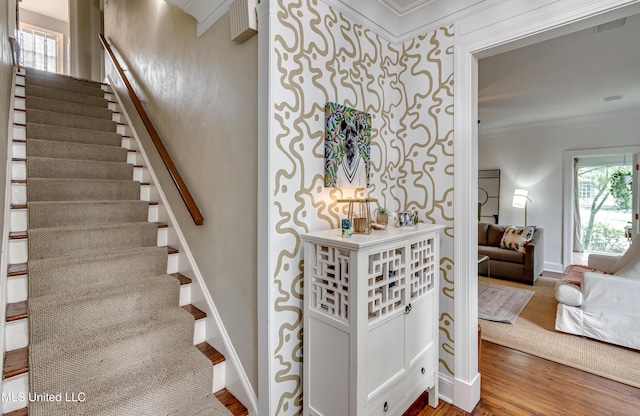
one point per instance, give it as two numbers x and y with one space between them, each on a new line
319 56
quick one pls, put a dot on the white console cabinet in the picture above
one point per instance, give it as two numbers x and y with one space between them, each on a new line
370 343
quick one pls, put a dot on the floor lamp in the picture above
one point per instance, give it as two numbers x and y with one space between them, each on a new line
521 200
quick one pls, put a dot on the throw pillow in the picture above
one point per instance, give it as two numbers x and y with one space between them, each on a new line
628 257
517 238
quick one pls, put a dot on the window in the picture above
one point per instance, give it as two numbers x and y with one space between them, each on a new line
38 49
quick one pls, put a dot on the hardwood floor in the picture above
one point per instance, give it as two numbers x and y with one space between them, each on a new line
515 383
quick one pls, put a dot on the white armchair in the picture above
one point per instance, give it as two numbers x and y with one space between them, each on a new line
598 305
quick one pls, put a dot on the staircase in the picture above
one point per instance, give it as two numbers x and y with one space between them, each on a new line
99 320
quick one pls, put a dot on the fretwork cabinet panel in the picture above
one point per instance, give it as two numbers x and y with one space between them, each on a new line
370 343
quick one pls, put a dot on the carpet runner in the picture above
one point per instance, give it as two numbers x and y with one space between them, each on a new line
105 323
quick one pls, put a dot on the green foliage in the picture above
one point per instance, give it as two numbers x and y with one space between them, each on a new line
607 238
620 188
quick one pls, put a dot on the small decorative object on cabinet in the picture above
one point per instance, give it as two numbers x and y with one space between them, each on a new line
370 321
359 214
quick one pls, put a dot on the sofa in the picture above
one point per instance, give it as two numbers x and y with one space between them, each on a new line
594 303
508 264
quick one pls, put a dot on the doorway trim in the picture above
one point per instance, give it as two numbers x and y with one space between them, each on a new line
519 23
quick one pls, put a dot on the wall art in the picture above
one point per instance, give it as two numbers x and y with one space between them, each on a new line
347 147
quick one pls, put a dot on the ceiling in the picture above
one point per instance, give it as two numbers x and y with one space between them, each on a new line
58 9
576 75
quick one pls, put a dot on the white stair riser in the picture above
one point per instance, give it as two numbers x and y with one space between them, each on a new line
17 289
20 91
135 158
18 170
173 263
17 388
123 130
200 331
18 251
16 335
109 97
20 103
129 143
114 107
19 133
185 295
19 117
19 150
141 174
106 88
119 118
153 213
148 193
20 81
18 220
219 381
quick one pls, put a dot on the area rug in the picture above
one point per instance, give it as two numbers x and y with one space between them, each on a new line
501 303
534 333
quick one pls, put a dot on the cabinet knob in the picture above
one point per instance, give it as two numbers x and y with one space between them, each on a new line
386 407
407 309
422 370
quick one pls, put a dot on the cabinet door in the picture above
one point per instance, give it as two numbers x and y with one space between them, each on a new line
420 327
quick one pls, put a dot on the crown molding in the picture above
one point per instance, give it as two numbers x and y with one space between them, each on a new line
400 25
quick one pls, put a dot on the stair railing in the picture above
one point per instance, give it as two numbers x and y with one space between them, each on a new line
193 209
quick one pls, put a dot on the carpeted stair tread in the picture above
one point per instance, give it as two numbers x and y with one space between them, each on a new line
64 107
45 214
73 135
53 315
44 167
32 72
205 406
54 189
77 240
70 150
65 85
97 351
72 97
57 274
157 387
52 118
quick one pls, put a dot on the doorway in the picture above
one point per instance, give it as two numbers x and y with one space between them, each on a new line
485 37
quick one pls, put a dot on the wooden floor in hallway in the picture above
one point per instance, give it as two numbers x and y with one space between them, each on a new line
515 383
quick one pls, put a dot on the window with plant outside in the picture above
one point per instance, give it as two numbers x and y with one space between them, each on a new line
605 192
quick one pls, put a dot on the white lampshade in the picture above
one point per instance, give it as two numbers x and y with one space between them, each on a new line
520 198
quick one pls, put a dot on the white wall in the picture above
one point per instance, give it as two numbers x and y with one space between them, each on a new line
532 158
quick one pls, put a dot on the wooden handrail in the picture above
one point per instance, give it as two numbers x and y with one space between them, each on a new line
173 171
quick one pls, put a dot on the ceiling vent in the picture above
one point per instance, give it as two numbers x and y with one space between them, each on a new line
615 24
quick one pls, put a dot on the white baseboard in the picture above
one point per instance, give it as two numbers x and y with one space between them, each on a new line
445 388
466 395
553 267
